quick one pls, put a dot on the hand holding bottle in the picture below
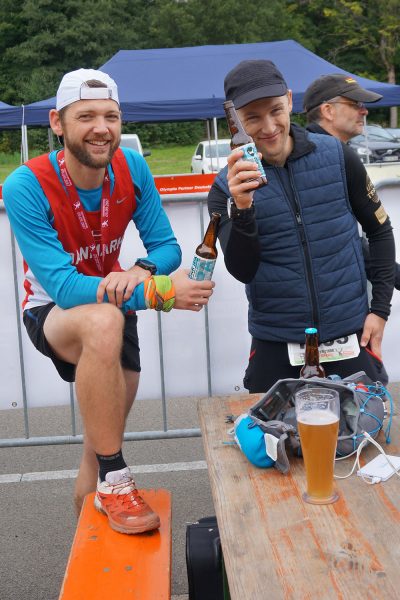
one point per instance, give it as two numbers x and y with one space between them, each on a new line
206 253
242 179
190 294
245 170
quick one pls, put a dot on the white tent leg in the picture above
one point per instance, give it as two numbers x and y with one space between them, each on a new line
209 144
50 138
24 143
216 140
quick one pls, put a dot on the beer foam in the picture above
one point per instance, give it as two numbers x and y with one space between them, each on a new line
317 417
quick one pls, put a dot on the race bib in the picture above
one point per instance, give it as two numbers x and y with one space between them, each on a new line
341 349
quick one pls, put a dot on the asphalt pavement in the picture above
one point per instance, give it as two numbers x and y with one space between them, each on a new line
36 487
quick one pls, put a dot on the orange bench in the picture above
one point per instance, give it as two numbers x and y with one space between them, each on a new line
110 565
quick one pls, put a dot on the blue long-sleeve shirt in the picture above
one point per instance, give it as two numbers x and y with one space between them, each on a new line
31 220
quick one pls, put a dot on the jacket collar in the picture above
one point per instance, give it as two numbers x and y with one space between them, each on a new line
316 128
302 145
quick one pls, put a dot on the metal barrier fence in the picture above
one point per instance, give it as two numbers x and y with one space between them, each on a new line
228 311
74 437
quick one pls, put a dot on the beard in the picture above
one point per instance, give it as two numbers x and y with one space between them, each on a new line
88 160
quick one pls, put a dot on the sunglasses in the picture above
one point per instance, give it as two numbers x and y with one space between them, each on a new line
353 104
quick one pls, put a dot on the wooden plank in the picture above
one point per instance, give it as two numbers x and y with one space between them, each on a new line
273 541
106 564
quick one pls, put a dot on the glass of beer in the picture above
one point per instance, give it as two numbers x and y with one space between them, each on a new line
317 413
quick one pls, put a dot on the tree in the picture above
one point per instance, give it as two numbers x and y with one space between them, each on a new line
362 34
42 39
195 22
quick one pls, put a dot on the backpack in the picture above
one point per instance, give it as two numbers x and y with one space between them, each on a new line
269 428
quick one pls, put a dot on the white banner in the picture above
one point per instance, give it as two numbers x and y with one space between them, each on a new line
183 332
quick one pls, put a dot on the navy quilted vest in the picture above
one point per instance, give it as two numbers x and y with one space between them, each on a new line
312 269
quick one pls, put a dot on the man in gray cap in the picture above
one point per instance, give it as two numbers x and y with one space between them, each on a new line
294 242
334 105
337 104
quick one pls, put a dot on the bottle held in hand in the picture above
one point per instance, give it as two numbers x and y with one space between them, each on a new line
312 366
206 253
240 139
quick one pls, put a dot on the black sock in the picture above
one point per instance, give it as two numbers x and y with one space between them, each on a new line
113 462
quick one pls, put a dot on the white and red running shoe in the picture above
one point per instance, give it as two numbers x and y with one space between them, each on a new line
118 498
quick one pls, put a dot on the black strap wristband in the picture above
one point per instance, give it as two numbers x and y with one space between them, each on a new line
239 213
143 263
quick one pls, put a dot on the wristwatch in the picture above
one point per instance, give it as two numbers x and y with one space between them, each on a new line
238 213
146 264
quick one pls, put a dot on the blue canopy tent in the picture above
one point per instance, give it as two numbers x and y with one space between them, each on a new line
10 116
185 84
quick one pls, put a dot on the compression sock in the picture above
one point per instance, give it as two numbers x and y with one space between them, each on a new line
113 462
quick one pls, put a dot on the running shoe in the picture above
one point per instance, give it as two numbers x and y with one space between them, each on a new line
118 498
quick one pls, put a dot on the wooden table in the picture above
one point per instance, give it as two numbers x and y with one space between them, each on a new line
277 546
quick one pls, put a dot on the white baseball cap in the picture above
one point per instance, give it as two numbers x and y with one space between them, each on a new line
74 87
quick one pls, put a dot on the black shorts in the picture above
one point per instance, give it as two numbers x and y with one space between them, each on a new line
269 361
34 319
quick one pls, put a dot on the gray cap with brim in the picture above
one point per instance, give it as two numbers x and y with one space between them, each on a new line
327 87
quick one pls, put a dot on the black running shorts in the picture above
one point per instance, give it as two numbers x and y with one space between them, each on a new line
34 319
269 361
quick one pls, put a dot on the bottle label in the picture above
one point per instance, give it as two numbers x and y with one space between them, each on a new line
343 348
202 268
250 153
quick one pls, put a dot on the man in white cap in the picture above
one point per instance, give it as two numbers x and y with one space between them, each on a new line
69 211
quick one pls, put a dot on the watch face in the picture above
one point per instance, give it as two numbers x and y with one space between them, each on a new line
146 264
229 205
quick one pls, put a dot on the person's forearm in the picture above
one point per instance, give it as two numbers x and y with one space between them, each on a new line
78 289
167 257
238 238
151 220
242 254
382 270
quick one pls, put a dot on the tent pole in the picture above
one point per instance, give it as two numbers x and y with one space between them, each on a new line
50 138
209 141
24 144
216 140
215 128
24 138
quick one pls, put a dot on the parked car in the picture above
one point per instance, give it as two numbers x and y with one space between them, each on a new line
395 132
378 145
210 157
131 140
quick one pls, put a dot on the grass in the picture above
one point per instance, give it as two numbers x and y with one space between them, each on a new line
163 161
170 159
8 162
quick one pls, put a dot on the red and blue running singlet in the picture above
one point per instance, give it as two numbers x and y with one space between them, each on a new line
78 232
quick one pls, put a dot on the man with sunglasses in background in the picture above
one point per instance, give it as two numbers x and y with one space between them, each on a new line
334 105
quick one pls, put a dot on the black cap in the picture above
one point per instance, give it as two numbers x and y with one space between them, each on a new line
327 87
253 79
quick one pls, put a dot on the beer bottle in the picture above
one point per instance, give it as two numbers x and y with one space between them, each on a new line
206 253
312 366
241 139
